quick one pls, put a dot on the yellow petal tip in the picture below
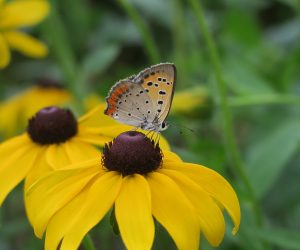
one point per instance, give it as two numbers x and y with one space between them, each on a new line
235 230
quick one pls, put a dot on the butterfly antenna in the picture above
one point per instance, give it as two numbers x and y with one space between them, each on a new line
180 127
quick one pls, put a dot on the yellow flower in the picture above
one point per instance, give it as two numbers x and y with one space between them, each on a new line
54 139
188 100
15 112
19 14
139 181
92 100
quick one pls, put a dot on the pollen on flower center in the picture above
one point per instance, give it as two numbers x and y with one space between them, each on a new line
52 125
132 153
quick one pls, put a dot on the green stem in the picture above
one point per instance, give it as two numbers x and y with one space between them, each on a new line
230 143
179 39
88 243
145 33
240 101
55 32
297 8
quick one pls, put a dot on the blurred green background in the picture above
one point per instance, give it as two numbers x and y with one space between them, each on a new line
95 43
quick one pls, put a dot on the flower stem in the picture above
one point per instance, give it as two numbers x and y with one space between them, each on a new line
55 32
231 145
88 243
179 39
151 49
264 99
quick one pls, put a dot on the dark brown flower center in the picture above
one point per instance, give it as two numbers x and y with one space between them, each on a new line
132 153
52 125
47 83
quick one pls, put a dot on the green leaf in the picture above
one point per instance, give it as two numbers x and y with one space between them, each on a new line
242 27
282 238
267 157
113 222
243 79
99 60
156 10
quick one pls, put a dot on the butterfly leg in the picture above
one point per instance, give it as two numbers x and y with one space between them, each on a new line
157 137
151 135
148 133
153 138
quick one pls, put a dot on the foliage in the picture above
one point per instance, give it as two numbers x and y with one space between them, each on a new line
92 44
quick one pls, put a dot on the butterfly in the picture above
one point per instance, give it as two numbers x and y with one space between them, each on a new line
144 100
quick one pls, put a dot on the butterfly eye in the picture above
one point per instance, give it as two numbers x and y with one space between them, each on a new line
164 126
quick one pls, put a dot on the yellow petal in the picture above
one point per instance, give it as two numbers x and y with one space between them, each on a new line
89 138
87 164
15 166
100 135
23 13
133 213
97 118
93 100
192 98
19 108
211 218
36 98
11 145
78 151
57 157
9 110
64 219
163 143
25 44
214 184
170 156
100 199
174 211
57 189
40 169
4 53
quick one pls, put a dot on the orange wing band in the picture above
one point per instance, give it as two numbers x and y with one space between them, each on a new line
112 101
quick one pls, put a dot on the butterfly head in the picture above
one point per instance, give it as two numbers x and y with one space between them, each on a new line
163 126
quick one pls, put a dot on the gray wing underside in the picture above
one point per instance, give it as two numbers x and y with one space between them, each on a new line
134 107
162 70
